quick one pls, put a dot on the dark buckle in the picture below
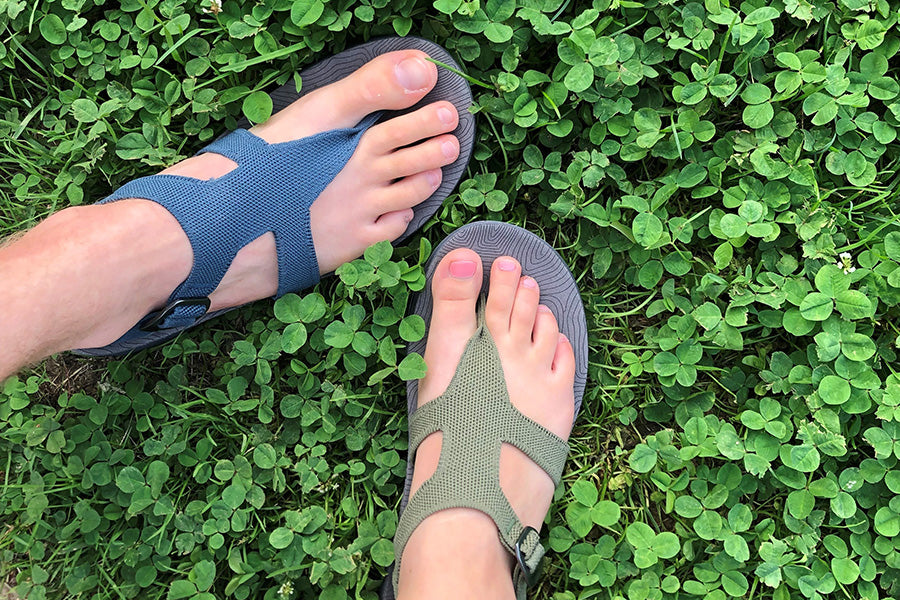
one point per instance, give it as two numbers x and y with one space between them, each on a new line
154 323
530 576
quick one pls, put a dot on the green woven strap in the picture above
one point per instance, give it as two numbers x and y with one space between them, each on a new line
475 417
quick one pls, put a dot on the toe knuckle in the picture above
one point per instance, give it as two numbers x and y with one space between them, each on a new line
369 141
370 91
394 230
397 136
422 186
375 234
436 149
428 120
390 136
495 321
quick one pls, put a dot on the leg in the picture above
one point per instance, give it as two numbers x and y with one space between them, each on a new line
87 274
456 553
81 270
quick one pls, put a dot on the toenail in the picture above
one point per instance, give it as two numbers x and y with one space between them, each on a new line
462 269
433 177
529 282
413 74
449 149
562 338
506 265
445 115
542 308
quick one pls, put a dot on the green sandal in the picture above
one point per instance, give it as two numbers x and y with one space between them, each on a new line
475 414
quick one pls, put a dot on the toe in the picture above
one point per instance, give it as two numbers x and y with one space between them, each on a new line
392 225
564 359
428 121
433 153
505 274
457 279
455 288
545 335
388 82
409 191
392 81
521 323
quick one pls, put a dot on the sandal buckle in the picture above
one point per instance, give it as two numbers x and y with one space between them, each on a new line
155 323
531 576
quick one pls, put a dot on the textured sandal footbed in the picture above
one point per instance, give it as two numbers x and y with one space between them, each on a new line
559 292
450 87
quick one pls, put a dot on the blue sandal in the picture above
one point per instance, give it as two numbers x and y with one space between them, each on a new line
222 215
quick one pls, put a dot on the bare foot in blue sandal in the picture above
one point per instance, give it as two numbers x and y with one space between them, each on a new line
377 140
396 165
357 180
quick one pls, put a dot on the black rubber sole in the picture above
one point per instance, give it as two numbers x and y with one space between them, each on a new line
450 87
559 292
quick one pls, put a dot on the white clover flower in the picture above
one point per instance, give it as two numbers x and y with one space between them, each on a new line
286 589
215 7
845 263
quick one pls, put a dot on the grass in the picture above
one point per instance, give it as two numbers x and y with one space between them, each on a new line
700 167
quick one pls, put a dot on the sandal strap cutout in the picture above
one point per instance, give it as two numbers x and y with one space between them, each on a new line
476 417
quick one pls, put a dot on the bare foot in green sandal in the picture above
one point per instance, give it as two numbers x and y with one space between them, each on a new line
456 553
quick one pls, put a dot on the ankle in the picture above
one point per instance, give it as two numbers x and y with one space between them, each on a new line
85 276
146 240
125 259
455 553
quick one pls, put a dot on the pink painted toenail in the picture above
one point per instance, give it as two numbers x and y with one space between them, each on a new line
445 115
543 309
562 338
449 149
462 269
506 265
529 282
433 177
413 74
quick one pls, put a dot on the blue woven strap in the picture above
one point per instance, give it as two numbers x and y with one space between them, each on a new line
270 190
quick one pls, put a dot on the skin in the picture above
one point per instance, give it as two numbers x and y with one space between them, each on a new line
456 553
85 275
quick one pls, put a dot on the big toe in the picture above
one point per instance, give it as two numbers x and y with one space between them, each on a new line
455 288
391 81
